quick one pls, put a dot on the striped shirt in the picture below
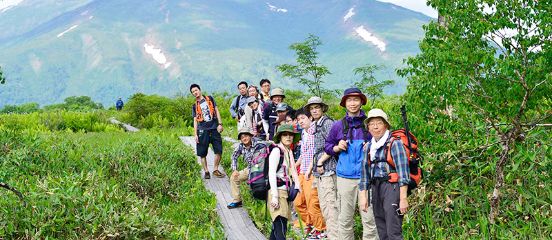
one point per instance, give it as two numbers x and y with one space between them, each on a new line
307 149
248 153
380 169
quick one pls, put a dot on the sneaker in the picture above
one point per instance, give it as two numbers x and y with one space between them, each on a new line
234 205
219 174
315 234
309 229
207 175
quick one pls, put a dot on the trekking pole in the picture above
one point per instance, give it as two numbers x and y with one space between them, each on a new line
413 168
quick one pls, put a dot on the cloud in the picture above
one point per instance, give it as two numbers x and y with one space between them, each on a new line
414 5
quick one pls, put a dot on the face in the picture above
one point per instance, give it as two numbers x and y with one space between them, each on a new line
281 115
243 89
277 99
265 87
245 139
254 105
196 92
315 111
252 92
289 120
353 104
287 138
304 121
377 127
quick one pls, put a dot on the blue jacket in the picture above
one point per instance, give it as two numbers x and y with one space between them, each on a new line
349 162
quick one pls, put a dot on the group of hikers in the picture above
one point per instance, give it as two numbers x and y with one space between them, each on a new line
305 160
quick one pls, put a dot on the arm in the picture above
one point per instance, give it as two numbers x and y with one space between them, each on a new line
332 140
232 110
274 158
398 154
363 185
235 156
195 124
219 127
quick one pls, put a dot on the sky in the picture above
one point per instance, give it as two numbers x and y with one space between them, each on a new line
414 5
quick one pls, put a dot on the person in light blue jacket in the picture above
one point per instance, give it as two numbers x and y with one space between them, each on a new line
346 140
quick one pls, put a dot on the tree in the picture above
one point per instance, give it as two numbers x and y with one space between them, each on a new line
369 85
2 79
492 62
308 70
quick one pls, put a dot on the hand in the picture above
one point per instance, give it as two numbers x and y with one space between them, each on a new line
363 201
403 205
235 175
274 203
196 139
342 145
267 137
320 170
309 172
220 128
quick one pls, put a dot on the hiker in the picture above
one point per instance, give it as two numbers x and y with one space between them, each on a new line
284 116
119 104
269 110
253 119
324 169
207 129
239 103
389 199
346 140
265 89
253 91
282 179
249 147
306 203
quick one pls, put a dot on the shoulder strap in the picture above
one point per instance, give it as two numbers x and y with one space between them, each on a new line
345 128
387 152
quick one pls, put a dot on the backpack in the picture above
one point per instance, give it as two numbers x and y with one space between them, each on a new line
413 156
236 107
258 174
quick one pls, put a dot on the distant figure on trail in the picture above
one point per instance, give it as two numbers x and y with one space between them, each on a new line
389 194
250 148
269 112
283 180
237 108
207 129
265 89
119 104
346 141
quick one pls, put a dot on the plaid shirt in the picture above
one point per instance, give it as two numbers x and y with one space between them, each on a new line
321 130
381 168
248 153
307 149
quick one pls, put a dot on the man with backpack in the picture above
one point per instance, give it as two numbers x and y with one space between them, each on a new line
270 116
324 166
119 104
237 108
346 141
251 149
385 170
207 129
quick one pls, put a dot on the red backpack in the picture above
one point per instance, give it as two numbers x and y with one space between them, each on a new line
413 156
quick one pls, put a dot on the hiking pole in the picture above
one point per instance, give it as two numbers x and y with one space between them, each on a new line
413 168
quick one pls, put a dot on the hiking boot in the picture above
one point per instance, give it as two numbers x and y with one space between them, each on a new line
234 204
207 175
218 174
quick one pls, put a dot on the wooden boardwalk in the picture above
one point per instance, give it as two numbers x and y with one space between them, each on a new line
236 222
127 127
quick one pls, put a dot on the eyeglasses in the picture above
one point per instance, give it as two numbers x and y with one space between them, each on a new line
373 124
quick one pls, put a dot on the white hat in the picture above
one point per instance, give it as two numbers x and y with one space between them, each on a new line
376 112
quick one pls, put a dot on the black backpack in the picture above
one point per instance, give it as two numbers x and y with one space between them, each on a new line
258 174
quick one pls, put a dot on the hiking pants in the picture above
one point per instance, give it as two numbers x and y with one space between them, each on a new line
279 228
235 184
307 204
385 202
347 197
327 194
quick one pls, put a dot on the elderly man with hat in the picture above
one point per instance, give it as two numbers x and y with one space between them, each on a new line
249 147
346 141
389 198
324 165
253 119
270 116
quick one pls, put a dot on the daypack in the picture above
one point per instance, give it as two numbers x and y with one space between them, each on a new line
258 174
413 156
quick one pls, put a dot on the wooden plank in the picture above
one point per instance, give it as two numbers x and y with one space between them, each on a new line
236 222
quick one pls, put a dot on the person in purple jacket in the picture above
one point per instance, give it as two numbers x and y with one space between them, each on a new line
346 140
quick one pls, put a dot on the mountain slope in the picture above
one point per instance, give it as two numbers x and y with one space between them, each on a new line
106 49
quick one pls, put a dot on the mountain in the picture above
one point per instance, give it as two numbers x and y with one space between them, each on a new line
107 49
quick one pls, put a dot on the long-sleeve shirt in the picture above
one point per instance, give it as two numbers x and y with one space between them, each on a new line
379 167
238 103
307 149
321 130
257 147
283 172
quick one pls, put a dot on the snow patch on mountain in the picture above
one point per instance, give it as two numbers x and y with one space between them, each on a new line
66 31
349 14
157 55
276 9
5 5
369 37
